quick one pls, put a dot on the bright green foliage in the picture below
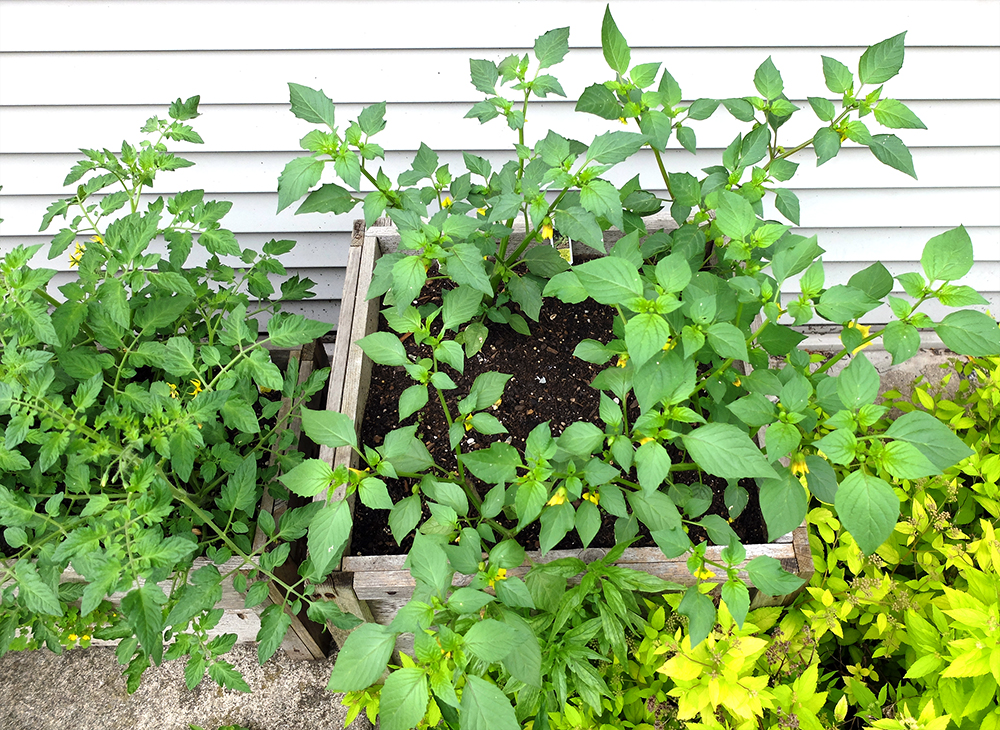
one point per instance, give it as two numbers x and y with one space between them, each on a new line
694 307
142 420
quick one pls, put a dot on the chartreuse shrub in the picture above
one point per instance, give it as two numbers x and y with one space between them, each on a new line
140 421
693 307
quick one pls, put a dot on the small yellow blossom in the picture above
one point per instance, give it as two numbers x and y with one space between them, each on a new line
821 455
737 382
558 498
501 575
97 239
72 637
644 440
592 497
85 637
481 211
446 203
622 360
669 345
263 390
799 466
77 255
623 120
468 423
197 387
864 329
497 404
173 390
703 573
547 232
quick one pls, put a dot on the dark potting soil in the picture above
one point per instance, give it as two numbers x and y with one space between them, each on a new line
547 384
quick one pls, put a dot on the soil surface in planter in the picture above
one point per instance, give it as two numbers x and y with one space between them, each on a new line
548 384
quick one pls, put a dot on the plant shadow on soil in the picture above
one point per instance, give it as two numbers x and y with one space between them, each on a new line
548 384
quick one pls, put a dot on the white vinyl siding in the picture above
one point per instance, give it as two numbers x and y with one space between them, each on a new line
75 73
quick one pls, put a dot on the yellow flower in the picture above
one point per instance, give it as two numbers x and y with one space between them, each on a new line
446 203
74 258
264 390
558 498
737 382
547 232
799 466
197 387
644 440
622 360
173 390
497 404
85 637
864 329
623 120
821 455
468 422
592 497
72 637
97 239
501 575
481 211
703 573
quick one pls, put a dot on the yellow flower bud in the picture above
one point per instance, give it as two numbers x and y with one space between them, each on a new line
547 232
558 498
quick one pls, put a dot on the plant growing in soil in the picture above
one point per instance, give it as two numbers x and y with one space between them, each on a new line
703 358
142 419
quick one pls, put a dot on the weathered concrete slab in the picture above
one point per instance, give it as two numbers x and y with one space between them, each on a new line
84 690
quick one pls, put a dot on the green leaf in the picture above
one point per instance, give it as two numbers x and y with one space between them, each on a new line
490 640
404 698
328 534
384 348
874 280
609 280
826 143
781 438
299 175
652 465
838 77
948 256
601 198
111 295
645 335
143 609
843 303
611 148
329 428
726 451
858 383
580 224
226 675
484 75
904 461
700 612
901 340
309 478
329 198
932 438
273 627
787 204
372 118
469 600
896 115
362 659
403 517
968 332
412 400
881 62
737 599
783 502
770 578
727 340
550 48
493 465
767 80
616 50
311 105
868 509
465 266
599 100
890 150
823 108
33 593
734 216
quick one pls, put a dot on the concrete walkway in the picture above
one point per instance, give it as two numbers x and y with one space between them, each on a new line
84 690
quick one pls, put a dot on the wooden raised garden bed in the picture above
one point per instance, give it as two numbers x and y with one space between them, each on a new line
375 587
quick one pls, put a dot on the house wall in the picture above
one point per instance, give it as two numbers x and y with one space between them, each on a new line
78 73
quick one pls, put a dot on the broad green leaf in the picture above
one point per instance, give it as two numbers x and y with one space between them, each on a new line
839 78
412 400
874 280
292 330
597 99
490 640
485 707
329 428
781 438
581 438
881 62
328 534
868 509
601 198
460 305
657 127
787 204
384 348
404 698
840 446
858 383
726 451
700 612
896 115
821 479
465 266
737 598
646 334
309 478
890 150
328 198
616 50
826 143
611 148
770 578
905 461
609 280
652 463
362 658
734 216
727 341
493 465
311 105
823 108
403 517
273 627
484 75
948 256
767 80
841 303
550 48
968 332
783 502
901 340
933 439
299 175
35 594
469 600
